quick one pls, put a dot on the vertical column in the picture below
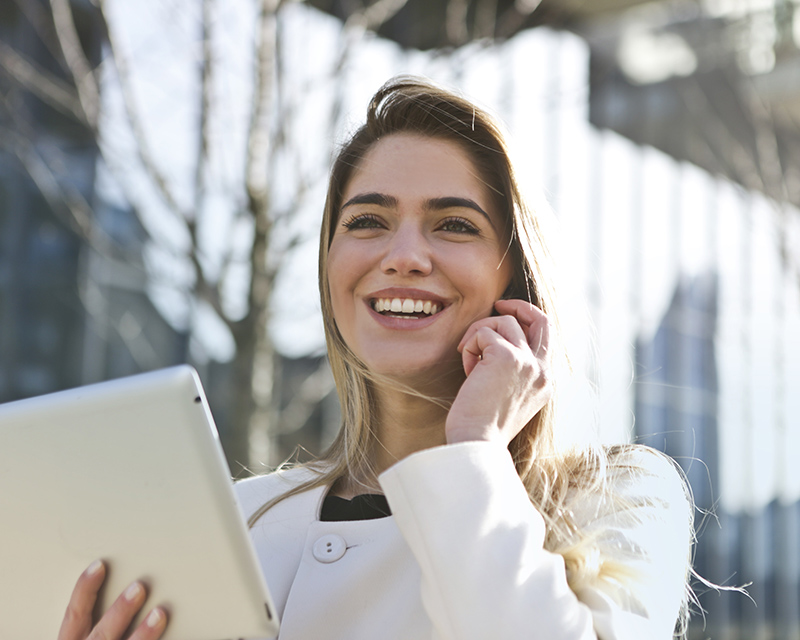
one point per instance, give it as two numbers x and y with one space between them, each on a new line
787 533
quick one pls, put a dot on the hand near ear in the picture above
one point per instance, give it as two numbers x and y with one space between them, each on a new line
506 360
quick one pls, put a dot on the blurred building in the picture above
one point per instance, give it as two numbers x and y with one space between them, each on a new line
41 320
717 85
73 302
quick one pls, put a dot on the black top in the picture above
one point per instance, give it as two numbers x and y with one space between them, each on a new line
368 506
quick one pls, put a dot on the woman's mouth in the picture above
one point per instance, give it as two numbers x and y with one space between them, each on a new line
405 307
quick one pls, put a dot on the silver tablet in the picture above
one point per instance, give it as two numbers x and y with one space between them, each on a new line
129 471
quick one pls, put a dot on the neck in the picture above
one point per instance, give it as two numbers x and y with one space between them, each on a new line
406 424
409 417
409 421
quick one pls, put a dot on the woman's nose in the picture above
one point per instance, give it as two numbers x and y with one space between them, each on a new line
408 253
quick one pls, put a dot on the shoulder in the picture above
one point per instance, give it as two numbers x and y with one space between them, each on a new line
254 492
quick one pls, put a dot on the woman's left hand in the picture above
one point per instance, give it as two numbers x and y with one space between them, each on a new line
506 360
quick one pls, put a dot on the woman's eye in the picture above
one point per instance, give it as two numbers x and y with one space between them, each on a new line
363 221
459 225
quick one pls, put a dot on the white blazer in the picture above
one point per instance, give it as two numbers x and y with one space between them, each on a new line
462 557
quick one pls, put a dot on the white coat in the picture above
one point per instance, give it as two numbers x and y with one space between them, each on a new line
462 557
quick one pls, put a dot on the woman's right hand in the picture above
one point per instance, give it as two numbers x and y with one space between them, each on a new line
507 362
78 623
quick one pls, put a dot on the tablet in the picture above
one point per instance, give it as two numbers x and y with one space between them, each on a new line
129 471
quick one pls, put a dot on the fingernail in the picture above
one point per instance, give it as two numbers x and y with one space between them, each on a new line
154 618
133 592
94 568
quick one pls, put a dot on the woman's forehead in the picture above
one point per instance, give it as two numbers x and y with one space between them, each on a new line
406 165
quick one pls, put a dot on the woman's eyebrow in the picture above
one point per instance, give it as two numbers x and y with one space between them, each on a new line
379 199
435 204
452 202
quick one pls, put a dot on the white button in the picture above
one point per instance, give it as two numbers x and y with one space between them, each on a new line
329 548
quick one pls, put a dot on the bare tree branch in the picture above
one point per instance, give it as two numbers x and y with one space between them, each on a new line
204 289
206 90
64 200
75 58
146 157
42 23
257 169
254 365
50 89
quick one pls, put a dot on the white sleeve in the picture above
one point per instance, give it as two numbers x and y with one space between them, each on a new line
480 545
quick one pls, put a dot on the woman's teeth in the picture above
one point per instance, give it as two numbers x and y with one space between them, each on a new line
405 305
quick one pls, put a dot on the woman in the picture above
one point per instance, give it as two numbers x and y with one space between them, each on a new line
441 333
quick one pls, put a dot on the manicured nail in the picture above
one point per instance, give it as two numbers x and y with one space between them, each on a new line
154 618
94 568
133 592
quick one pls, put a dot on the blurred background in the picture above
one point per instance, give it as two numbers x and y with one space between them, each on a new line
162 174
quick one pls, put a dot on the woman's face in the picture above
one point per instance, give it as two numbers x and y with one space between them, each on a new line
417 256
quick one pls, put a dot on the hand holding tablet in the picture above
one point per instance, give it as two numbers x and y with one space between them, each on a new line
129 472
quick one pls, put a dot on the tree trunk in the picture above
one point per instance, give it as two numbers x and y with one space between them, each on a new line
247 438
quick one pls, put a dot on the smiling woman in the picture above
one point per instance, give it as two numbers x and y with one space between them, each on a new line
446 508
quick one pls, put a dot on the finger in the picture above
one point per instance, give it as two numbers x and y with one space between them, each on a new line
534 322
525 312
120 615
483 339
152 627
77 621
470 358
506 326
